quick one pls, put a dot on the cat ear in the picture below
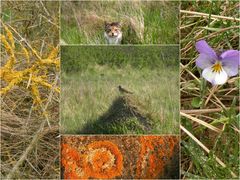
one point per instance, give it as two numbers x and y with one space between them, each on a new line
118 24
106 23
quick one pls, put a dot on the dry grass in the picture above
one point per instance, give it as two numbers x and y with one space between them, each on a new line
29 90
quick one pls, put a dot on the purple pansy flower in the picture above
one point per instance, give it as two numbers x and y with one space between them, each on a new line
217 68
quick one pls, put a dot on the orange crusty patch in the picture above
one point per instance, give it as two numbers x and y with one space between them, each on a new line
144 157
102 159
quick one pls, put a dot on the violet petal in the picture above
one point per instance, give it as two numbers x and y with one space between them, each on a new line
203 61
203 48
231 55
230 62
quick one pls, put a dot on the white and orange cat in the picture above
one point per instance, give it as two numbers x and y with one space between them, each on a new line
113 33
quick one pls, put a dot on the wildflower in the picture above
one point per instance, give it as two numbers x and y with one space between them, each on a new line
216 68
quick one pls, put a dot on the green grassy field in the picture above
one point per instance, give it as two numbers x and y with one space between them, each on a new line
208 153
143 22
90 76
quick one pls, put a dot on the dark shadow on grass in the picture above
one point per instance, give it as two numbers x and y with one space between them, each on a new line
171 170
125 115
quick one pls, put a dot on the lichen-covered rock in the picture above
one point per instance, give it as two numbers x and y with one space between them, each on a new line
132 157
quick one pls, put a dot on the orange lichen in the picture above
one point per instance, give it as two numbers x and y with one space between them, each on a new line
101 159
152 154
70 160
106 161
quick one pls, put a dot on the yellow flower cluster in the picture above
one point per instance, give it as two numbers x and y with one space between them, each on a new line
31 76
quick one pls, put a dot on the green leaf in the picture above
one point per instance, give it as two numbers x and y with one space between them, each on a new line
211 29
196 102
237 83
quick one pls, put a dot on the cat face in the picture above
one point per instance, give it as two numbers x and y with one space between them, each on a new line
112 29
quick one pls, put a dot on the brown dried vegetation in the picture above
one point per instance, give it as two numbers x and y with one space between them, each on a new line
29 89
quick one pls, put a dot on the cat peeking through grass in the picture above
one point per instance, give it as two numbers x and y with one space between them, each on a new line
113 33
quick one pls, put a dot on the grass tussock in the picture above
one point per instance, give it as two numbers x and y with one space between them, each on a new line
29 90
210 114
143 22
124 112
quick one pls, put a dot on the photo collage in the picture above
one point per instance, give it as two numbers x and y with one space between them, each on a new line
120 89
